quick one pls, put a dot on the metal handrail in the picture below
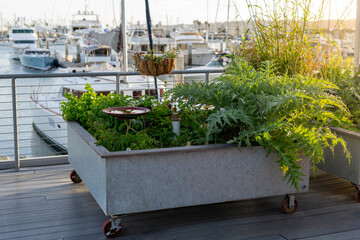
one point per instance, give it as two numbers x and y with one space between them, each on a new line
13 78
94 74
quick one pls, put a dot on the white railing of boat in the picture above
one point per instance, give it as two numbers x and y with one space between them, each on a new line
17 162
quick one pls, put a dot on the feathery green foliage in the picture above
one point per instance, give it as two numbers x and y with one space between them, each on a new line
286 115
340 72
286 33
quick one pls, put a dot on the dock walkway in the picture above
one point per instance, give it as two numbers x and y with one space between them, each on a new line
42 203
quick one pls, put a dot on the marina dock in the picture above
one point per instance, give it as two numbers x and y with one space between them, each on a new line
42 203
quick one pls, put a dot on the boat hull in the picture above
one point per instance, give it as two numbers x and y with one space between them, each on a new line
37 62
198 58
50 126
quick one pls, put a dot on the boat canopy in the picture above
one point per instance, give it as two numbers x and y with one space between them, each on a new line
95 50
37 51
22 30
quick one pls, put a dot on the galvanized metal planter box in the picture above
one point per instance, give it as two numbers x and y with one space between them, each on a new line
337 164
145 180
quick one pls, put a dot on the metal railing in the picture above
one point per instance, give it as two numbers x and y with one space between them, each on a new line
23 97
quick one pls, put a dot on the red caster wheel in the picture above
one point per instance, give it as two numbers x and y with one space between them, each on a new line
74 177
357 195
111 233
285 205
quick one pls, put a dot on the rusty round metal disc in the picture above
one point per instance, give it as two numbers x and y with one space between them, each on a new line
126 112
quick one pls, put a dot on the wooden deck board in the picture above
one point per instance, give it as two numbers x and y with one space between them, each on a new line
42 203
349 235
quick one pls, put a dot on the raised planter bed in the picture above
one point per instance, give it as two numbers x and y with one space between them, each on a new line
338 164
147 180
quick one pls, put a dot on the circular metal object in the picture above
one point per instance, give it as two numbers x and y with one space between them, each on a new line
126 112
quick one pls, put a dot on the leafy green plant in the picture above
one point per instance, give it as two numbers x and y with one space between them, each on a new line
157 58
341 72
286 33
88 108
194 126
172 54
112 132
286 115
153 57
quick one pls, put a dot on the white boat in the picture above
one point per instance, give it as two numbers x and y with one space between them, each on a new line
218 62
50 125
58 41
93 55
139 42
201 51
81 68
82 23
88 48
37 58
98 54
20 39
4 42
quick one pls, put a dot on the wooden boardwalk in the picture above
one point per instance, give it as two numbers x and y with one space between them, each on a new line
42 203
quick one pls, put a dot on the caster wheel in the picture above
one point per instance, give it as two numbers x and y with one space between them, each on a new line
114 233
285 206
357 195
74 177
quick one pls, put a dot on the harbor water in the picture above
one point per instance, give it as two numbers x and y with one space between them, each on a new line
30 144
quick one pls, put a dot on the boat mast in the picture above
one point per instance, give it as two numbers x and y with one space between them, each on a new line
214 28
329 17
227 21
357 36
207 20
1 22
227 25
114 18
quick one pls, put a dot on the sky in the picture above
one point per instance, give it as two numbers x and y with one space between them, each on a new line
164 11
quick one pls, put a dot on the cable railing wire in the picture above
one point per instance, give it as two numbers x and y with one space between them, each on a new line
50 130
27 94
63 135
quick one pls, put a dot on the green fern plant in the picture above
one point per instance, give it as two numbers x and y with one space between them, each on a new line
341 72
285 115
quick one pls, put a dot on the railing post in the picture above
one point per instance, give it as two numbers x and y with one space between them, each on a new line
15 124
207 77
117 84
